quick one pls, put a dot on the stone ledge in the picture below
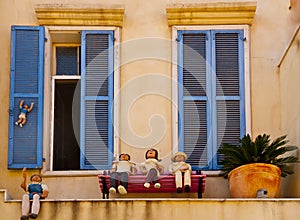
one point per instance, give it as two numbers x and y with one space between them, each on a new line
236 13
79 16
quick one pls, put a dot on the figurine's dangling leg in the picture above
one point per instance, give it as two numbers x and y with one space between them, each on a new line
187 181
113 182
35 206
23 122
25 205
178 181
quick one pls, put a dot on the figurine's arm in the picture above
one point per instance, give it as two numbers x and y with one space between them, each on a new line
142 168
23 183
160 168
45 191
31 106
114 167
21 104
185 166
171 169
133 169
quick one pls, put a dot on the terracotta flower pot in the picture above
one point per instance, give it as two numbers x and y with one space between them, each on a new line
246 180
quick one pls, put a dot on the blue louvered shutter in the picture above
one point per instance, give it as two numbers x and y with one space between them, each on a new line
210 93
26 83
96 135
193 97
228 65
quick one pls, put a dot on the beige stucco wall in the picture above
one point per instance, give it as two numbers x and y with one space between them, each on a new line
288 72
269 36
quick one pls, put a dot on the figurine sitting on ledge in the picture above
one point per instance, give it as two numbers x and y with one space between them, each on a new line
121 168
23 113
36 191
180 168
152 168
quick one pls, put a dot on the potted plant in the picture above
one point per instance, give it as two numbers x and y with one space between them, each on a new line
255 165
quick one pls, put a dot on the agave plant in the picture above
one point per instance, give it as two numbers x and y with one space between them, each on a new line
261 150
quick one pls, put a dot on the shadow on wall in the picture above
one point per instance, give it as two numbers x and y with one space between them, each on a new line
295 10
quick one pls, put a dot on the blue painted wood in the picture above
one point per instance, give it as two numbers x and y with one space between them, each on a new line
210 93
96 130
27 78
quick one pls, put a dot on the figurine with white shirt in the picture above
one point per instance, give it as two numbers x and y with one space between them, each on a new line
121 168
180 168
152 168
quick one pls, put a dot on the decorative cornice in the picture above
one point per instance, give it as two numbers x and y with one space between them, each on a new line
79 16
211 13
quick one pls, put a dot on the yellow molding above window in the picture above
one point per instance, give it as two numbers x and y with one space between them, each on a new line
219 13
79 16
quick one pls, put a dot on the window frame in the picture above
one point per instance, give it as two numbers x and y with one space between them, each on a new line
49 94
175 52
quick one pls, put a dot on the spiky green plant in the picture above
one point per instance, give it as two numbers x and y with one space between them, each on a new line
261 150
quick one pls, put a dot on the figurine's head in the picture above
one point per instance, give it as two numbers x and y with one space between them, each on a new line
26 106
36 178
179 157
151 154
123 157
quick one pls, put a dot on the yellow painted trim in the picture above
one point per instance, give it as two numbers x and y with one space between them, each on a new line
211 14
80 16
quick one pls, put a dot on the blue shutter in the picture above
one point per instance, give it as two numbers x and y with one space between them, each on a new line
228 65
26 83
96 128
193 98
210 93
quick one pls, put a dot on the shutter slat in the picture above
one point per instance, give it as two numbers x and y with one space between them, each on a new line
227 64
194 64
195 132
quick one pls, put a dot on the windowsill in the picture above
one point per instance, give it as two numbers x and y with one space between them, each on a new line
70 173
212 173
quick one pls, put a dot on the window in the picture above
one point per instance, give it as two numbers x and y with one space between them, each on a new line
66 86
82 91
211 93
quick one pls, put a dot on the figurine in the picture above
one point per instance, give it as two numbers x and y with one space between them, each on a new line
121 168
23 113
36 191
179 167
152 168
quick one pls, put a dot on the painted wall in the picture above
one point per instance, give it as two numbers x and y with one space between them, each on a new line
147 19
290 106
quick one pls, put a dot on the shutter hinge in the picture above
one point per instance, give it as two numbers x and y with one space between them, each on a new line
179 37
10 112
243 38
45 39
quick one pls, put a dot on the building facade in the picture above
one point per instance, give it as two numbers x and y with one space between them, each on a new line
123 76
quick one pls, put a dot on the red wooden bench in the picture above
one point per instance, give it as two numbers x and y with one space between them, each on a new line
136 184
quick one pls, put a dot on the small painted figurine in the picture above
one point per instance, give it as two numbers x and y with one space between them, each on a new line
36 191
179 167
24 110
152 168
122 168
